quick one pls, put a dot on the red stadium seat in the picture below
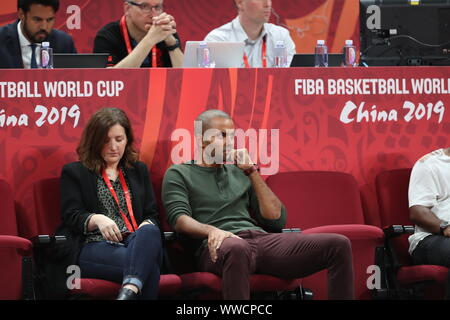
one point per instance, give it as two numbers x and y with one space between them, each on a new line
15 252
259 284
329 202
392 192
206 285
47 202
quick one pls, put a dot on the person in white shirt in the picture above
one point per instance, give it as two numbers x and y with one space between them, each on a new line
251 27
429 206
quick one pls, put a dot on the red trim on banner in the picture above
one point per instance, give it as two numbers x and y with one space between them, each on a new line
233 85
155 106
255 87
268 102
192 101
220 104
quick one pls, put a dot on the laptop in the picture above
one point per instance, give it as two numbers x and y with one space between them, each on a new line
307 60
224 54
80 60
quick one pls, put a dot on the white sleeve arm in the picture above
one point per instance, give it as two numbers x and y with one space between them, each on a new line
214 36
423 188
290 46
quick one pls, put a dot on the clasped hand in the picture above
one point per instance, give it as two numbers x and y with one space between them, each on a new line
162 27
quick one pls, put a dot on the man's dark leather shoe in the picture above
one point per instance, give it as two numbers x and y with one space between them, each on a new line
127 294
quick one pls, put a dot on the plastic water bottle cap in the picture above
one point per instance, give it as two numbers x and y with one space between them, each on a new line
321 42
46 44
203 44
349 42
279 44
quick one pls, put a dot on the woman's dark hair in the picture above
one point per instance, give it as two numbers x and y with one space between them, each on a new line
95 134
26 4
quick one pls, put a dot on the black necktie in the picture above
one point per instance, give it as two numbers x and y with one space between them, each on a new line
33 56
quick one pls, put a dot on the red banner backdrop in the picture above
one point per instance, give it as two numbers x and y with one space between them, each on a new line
358 120
332 20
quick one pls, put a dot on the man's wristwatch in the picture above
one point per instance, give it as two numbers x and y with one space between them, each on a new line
250 170
444 224
175 46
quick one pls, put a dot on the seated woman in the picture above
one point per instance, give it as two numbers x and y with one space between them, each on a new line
109 210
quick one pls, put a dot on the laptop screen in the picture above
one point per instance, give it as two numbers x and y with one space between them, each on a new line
307 60
223 54
80 60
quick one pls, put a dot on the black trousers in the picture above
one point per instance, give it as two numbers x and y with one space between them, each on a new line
434 249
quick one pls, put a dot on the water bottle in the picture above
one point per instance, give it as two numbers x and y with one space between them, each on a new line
349 54
280 54
321 54
203 55
46 56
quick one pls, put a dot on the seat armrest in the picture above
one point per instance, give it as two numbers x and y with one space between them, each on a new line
170 236
45 240
23 246
291 230
355 232
396 230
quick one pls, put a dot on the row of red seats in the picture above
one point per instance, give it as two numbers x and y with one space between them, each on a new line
316 201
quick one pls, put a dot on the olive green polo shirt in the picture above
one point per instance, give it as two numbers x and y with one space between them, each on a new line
222 197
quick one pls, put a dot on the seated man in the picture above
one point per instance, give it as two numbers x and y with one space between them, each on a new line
21 40
251 26
144 37
211 201
429 207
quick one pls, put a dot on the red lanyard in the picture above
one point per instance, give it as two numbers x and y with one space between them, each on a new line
263 54
126 37
126 191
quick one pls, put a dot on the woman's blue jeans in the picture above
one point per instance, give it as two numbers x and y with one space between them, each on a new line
135 261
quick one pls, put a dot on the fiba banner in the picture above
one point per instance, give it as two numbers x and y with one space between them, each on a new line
331 20
355 120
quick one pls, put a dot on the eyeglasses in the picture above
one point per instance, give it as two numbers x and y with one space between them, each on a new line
146 7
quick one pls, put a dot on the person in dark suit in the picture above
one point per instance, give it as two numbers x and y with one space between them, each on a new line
108 210
21 40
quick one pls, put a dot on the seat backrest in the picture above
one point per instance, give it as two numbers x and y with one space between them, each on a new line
8 225
392 193
317 198
10 260
47 203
